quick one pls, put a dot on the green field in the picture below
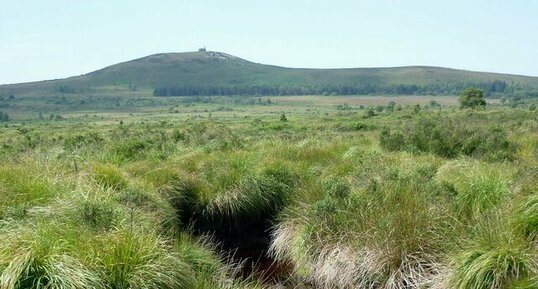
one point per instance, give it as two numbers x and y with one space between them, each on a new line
133 191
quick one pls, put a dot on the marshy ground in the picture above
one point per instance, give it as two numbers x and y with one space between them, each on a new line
265 192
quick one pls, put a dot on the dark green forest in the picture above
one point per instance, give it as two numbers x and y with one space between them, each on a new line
492 89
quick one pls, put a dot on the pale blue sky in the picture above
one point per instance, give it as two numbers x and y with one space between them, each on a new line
59 38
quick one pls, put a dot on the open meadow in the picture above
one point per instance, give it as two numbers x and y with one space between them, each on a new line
268 192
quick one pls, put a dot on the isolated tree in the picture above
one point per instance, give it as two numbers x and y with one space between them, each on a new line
471 98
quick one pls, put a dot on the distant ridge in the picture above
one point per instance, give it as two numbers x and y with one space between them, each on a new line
218 73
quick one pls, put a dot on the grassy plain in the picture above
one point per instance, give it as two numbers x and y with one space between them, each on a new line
337 192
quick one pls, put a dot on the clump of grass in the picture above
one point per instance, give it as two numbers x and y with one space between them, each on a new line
474 187
183 192
139 260
254 195
21 188
209 270
214 136
494 258
199 253
388 236
527 283
525 218
109 176
230 188
97 212
38 257
128 149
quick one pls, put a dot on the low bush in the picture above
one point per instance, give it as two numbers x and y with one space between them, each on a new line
82 140
449 138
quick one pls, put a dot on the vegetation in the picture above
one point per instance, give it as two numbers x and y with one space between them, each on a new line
4 117
220 74
472 98
220 193
449 138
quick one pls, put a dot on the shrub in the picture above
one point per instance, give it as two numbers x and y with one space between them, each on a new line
471 98
449 139
81 140
4 117
392 141
336 188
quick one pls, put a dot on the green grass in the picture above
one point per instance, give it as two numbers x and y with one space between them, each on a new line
23 187
92 203
494 258
109 177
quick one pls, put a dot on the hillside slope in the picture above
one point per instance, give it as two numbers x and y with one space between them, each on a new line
216 73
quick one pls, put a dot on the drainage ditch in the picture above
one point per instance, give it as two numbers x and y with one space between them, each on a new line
243 240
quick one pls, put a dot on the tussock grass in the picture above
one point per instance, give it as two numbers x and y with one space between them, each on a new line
475 187
525 217
39 257
137 260
120 206
23 187
98 212
230 188
108 176
390 235
494 258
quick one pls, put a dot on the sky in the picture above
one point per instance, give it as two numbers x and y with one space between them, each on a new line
60 38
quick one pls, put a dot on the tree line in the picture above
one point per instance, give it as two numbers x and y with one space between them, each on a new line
4 117
493 88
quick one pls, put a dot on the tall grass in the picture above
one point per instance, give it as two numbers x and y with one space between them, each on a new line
109 176
442 200
525 217
494 258
474 187
137 260
23 187
389 235
38 256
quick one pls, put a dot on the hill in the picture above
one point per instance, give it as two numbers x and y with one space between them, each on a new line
216 73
